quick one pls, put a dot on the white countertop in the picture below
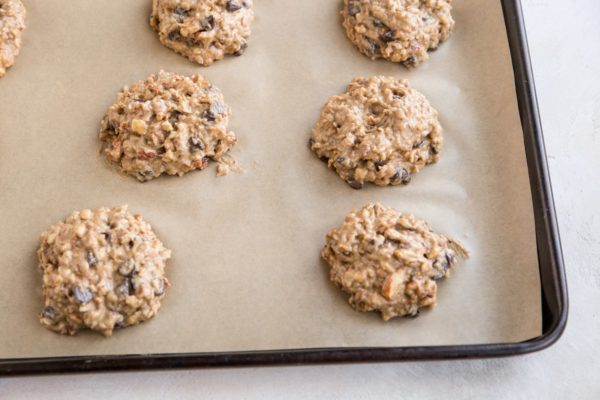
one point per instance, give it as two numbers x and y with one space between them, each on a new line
564 37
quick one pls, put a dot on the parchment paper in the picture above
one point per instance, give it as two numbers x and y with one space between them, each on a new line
246 271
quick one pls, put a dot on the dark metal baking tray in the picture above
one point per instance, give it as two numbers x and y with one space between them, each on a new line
552 276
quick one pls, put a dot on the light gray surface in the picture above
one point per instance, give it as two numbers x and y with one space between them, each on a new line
566 56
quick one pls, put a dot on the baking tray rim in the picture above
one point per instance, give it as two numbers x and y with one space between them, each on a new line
552 275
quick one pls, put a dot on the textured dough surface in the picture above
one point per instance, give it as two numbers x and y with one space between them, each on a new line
380 131
387 261
12 24
102 270
169 124
203 31
398 30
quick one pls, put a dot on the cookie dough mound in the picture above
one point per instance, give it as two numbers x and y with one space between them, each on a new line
12 24
380 131
398 30
203 30
102 270
387 261
167 124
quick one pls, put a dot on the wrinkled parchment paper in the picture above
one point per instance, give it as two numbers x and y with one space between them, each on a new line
246 271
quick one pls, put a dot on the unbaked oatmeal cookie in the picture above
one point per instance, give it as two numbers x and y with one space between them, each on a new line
12 24
398 30
380 131
169 124
389 262
203 31
102 270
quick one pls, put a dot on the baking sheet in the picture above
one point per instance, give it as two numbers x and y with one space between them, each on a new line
246 271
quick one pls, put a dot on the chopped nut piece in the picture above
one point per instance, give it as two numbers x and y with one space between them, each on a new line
138 126
394 284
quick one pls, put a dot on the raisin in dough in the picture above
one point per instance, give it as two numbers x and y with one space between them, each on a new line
380 131
12 24
102 270
203 30
168 124
388 262
398 30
